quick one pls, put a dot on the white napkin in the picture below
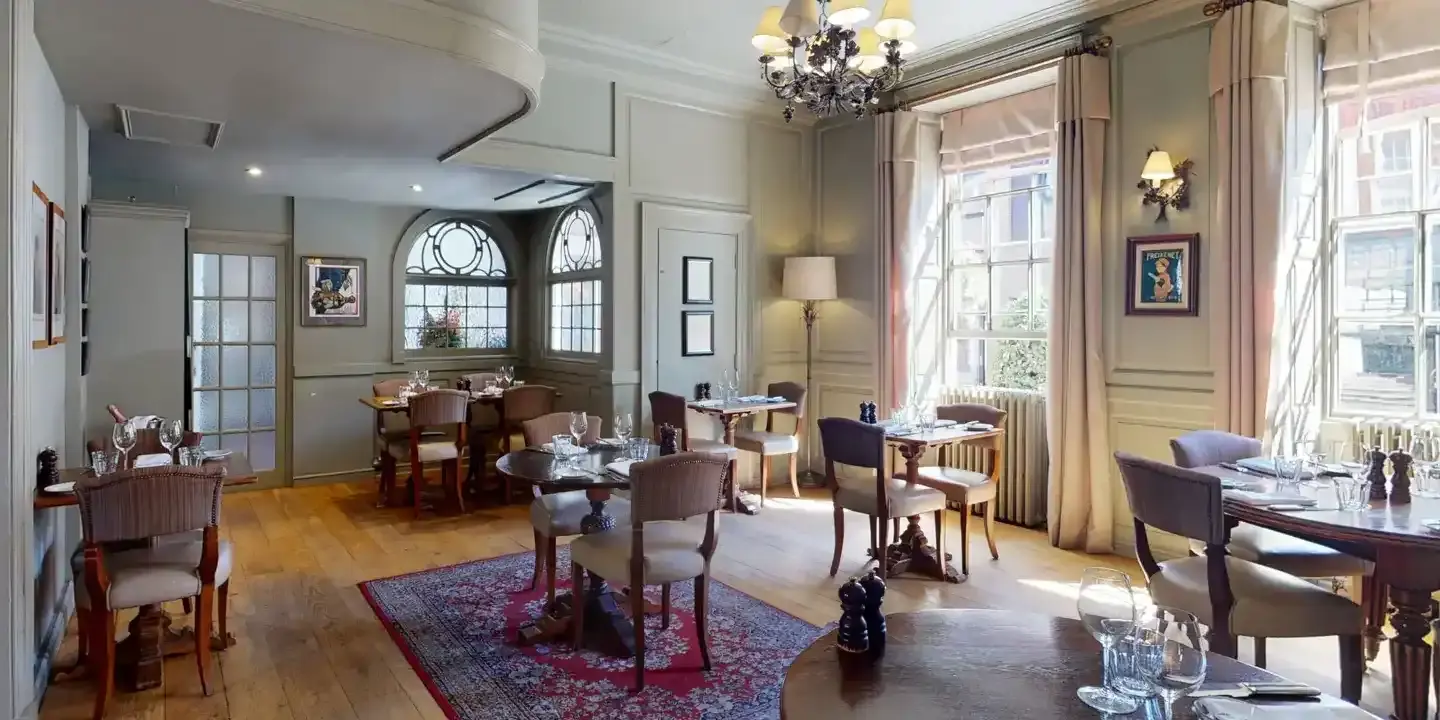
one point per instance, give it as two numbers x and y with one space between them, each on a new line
573 450
140 422
152 460
709 403
945 423
620 467
1261 499
1228 709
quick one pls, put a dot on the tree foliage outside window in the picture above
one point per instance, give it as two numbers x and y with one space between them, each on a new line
1022 364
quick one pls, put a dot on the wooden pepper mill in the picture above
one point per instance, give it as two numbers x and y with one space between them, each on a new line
852 637
48 468
668 445
1376 476
874 619
1400 461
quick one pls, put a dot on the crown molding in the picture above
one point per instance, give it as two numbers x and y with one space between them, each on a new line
1069 14
133 211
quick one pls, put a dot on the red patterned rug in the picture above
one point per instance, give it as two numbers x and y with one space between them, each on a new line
457 624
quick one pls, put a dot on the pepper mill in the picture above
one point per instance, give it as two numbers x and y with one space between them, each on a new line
874 619
699 391
48 468
667 440
1400 461
852 636
1376 476
705 389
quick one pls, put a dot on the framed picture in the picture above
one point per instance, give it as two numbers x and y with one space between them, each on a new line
85 229
698 282
697 332
332 291
57 275
1162 275
84 358
39 268
84 280
84 323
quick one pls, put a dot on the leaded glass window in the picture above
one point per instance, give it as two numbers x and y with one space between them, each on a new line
457 289
575 291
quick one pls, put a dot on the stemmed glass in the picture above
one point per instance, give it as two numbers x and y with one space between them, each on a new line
422 380
624 425
579 423
728 384
172 433
1422 450
1179 664
1106 606
123 436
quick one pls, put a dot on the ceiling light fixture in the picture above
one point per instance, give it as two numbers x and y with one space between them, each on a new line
416 188
833 68
254 171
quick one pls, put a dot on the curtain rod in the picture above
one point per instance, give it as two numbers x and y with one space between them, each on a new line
1094 46
1218 7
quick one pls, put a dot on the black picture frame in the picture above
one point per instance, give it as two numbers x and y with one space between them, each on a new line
1141 255
697 333
85 228
84 280
84 358
84 323
693 289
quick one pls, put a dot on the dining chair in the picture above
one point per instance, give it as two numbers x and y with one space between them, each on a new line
140 505
967 487
483 418
768 444
1285 553
860 445
671 409
518 405
557 515
391 427
1231 596
664 493
435 409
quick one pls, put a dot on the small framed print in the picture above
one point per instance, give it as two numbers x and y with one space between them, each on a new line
40 268
1162 275
332 291
85 280
84 358
698 282
57 275
697 332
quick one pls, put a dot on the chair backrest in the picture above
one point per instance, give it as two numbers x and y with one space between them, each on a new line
1173 499
676 487
528 402
1212 447
477 380
792 391
389 388
667 409
540 430
851 442
971 412
149 502
438 407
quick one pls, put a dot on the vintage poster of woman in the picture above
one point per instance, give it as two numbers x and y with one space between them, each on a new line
1163 275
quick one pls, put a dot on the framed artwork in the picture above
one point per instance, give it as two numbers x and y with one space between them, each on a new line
698 281
57 275
332 291
84 280
697 332
85 229
1162 275
84 358
84 322
40 268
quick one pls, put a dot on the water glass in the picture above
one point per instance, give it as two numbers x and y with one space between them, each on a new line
1352 492
1181 665
1106 605
104 462
1423 450
1287 469
422 378
562 445
1137 661
491 385
192 456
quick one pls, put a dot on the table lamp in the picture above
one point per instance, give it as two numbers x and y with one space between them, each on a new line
809 280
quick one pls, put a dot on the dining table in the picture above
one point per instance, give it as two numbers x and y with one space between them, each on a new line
912 551
1393 535
730 413
608 625
140 657
944 664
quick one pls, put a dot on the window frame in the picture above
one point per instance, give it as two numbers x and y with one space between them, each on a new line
497 233
554 278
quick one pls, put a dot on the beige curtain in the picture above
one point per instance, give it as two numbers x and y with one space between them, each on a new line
898 149
1247 89
1079 510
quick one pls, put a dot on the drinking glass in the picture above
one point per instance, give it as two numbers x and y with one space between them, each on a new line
1178 663
562 446
104 462
422 380
1106 606
509 372
727 383
1423 450
579 423
491 386
123 436
624 425
1352 492
637 449
172 433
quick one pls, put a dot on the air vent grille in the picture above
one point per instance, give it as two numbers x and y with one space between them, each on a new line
169 128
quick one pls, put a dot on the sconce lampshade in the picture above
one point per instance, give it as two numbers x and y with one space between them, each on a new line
848 12
801 18
769 38
897 21
1158 166
809 278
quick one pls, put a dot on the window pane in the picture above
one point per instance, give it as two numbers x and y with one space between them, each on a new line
205 320
262 408
1376 267
262 451
235 321
576 245
234 410
1432 253
968 242
262 276
235 275
1015 364
205 271
207 410
575 316
1375 369
1433 179
970 290
262 321
205 367
967 362
262 365
1010 296
1040 292
235 365
235 442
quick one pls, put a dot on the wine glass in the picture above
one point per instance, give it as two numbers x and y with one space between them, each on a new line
1106 606
624 425
727 381
1422 450
172 433
1179 664
509 372
422 380
579 423
123 436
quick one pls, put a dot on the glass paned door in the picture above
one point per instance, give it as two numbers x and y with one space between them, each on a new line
236 349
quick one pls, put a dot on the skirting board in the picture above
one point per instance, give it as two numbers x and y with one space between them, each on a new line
58 623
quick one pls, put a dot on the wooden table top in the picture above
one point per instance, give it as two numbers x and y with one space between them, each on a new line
538 467
1382 523
739 408
237 472
943 435
944 664
387 403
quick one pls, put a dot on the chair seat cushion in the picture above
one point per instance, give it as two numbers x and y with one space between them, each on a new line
559 515
1268 602
905 499
429 451
1290 554
143 576
962 486
672 552
767 443
713 447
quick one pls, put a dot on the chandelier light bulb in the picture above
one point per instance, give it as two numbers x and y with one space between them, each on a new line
848 12
897 21
769 38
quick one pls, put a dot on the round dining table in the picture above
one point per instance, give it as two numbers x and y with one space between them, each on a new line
945 664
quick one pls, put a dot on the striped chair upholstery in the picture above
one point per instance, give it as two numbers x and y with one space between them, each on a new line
149 502
434 409
540 430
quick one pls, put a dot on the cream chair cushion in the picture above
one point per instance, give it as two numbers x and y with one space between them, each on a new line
672 551
167 571
767 443
559 514
713 447
1268 602
429 451
960 485
905 499
1289 554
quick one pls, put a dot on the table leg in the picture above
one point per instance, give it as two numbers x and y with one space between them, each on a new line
1409 655
140 658
912 551
1374 599
738 502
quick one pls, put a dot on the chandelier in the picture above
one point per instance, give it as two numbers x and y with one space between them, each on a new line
815 57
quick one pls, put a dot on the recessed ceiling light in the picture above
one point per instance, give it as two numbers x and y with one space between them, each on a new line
254 171
416 188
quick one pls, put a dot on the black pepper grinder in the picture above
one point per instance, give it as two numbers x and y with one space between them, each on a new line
874 619
47 472
852 637
1376 476
699 391
668 445
1400 461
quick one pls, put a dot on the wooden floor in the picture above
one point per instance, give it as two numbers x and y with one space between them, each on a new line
310 647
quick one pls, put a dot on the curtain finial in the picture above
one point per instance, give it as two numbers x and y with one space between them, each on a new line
1093 46
1216 8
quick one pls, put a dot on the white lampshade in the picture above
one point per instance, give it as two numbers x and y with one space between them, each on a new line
801 18
809 278
1158 166
769 38
848 12
872 55
897 21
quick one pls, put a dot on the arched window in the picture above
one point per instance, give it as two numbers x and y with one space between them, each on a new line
457 289
574 280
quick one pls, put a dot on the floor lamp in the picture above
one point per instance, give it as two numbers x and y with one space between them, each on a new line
809 280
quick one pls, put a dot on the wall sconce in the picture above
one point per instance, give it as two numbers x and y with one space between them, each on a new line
1165 184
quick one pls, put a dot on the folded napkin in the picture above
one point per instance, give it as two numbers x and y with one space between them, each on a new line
709 403
620 467
550 448
975 425
1263 499
152 460
1227 709
945 423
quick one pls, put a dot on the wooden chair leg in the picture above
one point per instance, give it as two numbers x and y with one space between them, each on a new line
895 528
839 540
795 475
539 558
203 628
990 529
764 478
417 474
702 618
577 603
637 611
83 625
940 537
965 540
1260 652
549 571
874 538
1352 667
458 480
222 611
884 558
665 606
102 658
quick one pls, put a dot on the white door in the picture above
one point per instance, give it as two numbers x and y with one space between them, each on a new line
237 351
